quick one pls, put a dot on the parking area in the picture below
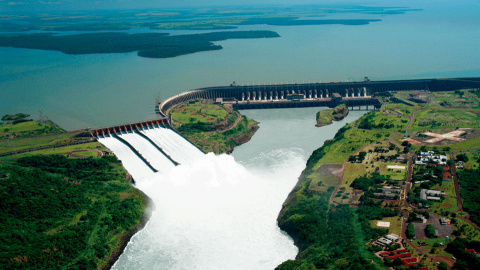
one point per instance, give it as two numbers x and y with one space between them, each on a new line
434 220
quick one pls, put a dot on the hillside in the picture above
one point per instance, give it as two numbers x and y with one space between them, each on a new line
70 207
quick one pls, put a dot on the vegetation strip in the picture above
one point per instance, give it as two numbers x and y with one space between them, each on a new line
152 45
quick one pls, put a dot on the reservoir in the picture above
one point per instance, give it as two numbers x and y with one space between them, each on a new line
219 212
78 91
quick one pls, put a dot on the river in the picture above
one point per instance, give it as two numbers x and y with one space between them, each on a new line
219 212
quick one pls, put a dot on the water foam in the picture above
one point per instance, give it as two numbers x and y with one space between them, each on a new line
215 213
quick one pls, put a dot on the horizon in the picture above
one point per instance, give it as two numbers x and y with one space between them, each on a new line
118 5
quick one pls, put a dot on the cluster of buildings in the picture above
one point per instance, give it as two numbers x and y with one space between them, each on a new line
431 194
428 157
388 192
473 252
404 255
387 240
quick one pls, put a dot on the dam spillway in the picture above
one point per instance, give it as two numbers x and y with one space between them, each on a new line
148 148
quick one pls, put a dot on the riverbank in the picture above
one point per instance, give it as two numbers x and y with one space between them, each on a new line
149 207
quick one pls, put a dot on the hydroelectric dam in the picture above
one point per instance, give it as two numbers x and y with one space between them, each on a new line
157 146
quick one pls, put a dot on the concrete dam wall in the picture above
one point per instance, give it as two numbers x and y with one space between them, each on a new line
314 94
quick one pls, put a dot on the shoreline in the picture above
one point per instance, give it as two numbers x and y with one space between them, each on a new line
126 237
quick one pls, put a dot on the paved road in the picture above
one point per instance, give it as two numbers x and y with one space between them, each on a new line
455 182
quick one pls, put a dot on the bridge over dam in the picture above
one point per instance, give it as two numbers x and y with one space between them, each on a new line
311 94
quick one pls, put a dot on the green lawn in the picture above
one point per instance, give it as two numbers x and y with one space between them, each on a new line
395 224
429 242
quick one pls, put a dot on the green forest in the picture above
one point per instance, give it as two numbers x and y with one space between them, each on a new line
470 192
152 45
61 213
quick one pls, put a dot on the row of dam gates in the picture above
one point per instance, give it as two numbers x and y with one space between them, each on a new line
142 137
311 94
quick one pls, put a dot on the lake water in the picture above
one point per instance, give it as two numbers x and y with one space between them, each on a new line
79 91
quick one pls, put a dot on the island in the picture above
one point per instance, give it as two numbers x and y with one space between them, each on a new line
151 45
327 116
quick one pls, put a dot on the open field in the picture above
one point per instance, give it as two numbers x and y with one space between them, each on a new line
473 160
33 142
446 117
395 224
63 151
197 112
448 204
29 129
468 231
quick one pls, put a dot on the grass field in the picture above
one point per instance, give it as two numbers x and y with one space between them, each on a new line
62 150
446 117
353 171
29 129
395 224
429 242
197 112
210 126
33 142
473 160
448 204
468 231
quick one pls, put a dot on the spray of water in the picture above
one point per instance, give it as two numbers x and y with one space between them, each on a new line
211 212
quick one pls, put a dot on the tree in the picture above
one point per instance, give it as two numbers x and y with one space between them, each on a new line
410 230
443 266
462 157
361 156
430 231
397 261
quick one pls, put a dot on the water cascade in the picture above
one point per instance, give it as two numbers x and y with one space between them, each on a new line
219 212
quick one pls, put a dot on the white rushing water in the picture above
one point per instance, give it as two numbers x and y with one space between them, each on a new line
134 165
168 140
156 158
207 199
219 212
